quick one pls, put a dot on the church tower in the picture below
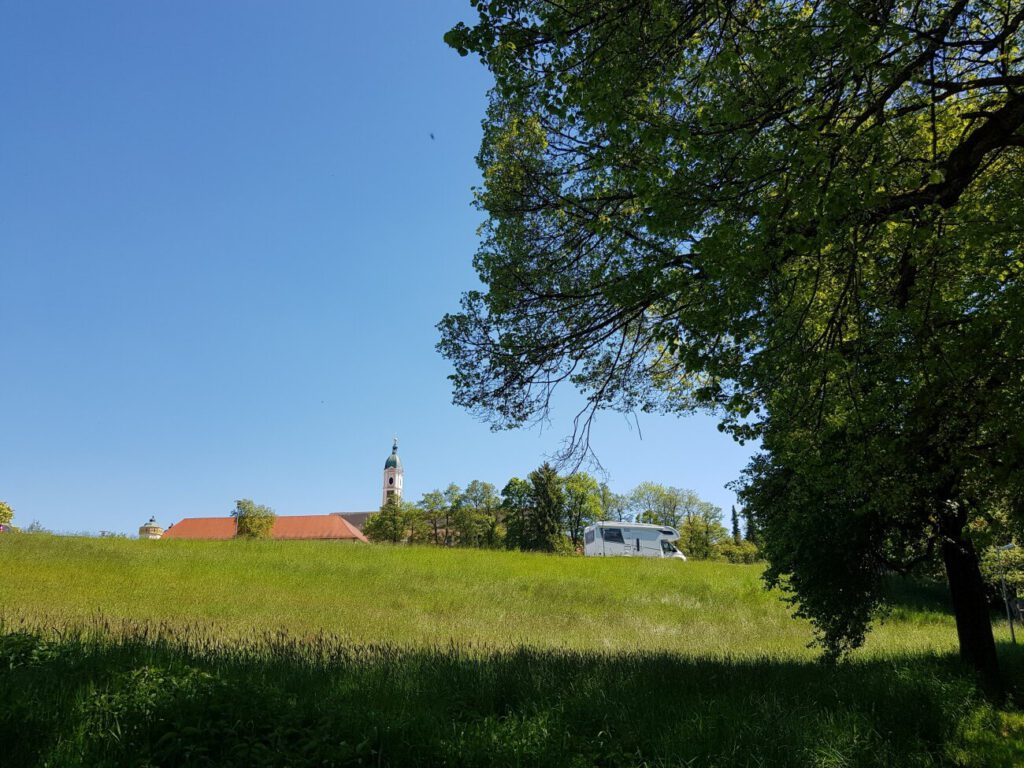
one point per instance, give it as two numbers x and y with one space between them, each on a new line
392 475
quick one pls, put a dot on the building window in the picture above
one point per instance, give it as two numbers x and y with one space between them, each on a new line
613 535
391 481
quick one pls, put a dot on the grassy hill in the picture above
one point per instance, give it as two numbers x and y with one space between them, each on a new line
314 653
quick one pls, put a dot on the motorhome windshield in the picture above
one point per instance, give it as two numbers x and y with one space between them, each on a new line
667 547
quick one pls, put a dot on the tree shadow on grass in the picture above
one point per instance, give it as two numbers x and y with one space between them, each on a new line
918 594
76 701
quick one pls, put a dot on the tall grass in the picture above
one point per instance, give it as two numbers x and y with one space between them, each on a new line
422 596
313 653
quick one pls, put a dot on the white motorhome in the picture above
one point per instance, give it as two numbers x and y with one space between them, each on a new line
606 539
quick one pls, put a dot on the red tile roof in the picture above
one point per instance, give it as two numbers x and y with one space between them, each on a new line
285 527
315 527
202 528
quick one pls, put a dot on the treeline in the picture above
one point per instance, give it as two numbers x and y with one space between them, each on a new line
547 512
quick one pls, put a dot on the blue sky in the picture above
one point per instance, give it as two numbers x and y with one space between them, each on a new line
226 236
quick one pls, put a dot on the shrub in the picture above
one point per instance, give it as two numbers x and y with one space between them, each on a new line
744 552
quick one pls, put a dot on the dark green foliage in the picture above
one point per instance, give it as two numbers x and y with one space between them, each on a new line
736 526
516 505
543 528
835 534
750 527
535 512
398 522
78 702
253 521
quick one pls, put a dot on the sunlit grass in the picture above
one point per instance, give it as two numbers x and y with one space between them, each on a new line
427 597
118 652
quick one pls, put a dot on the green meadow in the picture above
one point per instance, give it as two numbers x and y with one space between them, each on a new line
122 652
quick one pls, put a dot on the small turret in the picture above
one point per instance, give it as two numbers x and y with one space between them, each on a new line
151 530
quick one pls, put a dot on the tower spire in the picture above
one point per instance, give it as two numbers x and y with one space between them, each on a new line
393 474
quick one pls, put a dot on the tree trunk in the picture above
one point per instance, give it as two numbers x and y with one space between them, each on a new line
973 623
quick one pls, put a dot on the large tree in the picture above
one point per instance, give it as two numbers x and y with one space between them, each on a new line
803 215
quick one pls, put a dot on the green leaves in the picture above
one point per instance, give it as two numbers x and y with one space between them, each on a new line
800 216
253 521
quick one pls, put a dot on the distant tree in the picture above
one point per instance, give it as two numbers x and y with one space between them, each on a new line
614 506
645 502
476 516
417 527
516 505
36 527
453 500
702 532
544 524
736 537
582 505
662 505
751 527
253 521
6 513
487 502
435 513
389 524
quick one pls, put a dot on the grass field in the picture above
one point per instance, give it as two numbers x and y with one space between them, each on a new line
118 652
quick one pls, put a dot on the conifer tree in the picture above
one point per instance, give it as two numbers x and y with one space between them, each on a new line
544 525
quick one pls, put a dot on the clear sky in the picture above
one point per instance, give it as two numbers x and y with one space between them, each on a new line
226 235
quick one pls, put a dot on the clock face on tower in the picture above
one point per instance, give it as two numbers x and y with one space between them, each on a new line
391 481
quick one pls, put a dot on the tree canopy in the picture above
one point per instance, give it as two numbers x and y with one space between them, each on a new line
253 521
399 522
582 505
803 216
6 513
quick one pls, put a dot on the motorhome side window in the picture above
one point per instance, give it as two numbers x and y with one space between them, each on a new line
588 537
613 535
